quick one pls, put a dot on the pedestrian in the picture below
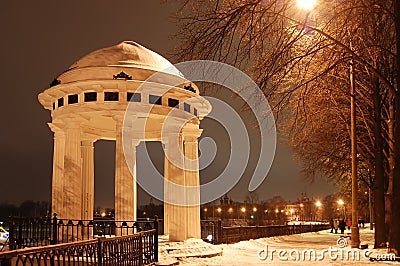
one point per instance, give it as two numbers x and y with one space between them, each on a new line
348 223
336 225
342 226
362 223
331 224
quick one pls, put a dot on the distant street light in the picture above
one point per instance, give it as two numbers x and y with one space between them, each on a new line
254 209
306 4
340 202
318 204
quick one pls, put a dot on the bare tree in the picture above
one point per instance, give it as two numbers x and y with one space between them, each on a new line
300 60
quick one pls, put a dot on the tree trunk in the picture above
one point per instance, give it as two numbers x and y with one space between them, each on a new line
378 183
389 191
395 212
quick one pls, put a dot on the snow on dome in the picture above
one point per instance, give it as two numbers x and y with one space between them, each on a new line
127 54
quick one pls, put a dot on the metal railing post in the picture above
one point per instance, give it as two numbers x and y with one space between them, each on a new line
156 238
11 237
54 238
220 240
140 248
99 252
19 237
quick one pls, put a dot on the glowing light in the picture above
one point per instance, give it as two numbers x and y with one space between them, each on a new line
306 4
219 210
301 205
291 211
230 209
254 209
276 210
318 204
103 214
205 209
340 202
243 209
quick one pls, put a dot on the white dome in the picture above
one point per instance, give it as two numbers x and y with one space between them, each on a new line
127 54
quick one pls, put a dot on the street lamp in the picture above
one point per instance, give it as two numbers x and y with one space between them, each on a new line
341 203
318 204
306 4
243 210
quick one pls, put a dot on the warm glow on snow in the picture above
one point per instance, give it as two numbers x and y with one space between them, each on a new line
306 4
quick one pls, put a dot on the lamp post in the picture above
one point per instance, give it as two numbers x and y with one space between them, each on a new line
318 204
308 5
341 206
355 234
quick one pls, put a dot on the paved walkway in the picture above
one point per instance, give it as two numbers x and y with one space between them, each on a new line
248 252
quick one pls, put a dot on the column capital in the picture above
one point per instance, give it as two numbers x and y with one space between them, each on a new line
166 138
191 135
87 142
56 128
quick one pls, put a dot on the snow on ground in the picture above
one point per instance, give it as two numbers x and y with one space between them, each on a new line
246 252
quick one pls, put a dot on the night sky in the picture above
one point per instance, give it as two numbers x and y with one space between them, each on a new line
41 39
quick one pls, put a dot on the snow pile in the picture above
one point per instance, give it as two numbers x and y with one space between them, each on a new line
247 252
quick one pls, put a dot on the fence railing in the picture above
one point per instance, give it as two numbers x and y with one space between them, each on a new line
42 231
137 249
220 234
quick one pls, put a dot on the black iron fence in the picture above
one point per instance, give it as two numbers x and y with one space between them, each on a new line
42 231
137 249
214 232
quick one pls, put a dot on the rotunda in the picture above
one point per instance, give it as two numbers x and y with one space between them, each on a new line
88 102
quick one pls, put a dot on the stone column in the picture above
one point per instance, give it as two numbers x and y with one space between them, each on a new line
192 183
72 193
87 150
167 205
174 193
125 184
58 172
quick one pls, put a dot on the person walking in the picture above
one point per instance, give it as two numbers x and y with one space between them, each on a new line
331 223
342 226
336 225
348 223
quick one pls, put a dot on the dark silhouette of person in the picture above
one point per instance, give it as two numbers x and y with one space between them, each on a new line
342 226
348 223
332 225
